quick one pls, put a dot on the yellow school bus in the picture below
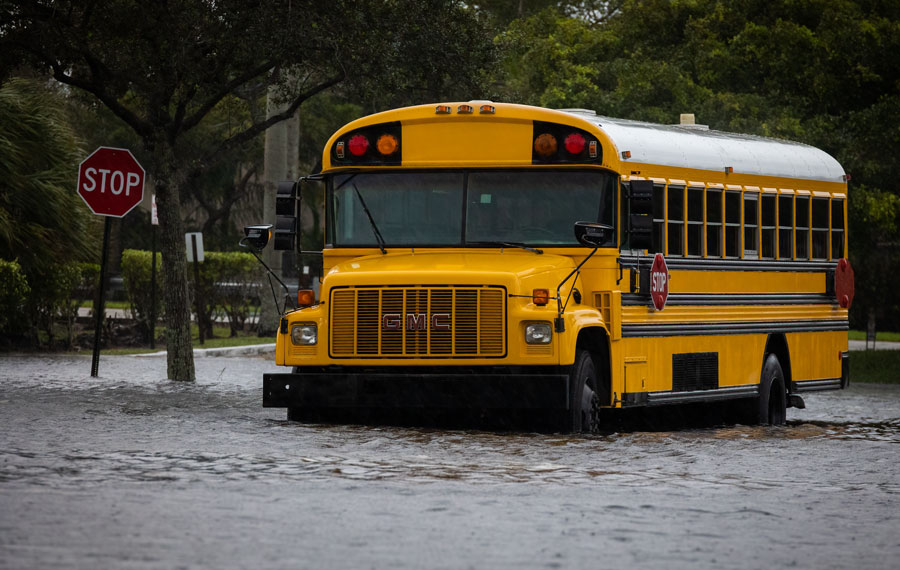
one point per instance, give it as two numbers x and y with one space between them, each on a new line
486 256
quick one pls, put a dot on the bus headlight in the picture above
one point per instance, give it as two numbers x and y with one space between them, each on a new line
305 334
538 333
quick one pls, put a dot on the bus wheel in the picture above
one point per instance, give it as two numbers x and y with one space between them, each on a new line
771 406
583 400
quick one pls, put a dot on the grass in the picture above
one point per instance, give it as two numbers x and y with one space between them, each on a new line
220 339
875 366
884 336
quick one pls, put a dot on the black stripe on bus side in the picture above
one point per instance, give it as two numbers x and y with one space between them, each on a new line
817 385
694 299
717 328
674 397
699 264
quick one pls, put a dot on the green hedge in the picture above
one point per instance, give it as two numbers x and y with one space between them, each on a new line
878 366
32 304
228 284
14 291
137 271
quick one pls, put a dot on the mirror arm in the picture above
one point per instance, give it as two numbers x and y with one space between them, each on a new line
559 324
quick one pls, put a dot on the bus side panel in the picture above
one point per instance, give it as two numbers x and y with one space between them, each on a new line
739 359
816 355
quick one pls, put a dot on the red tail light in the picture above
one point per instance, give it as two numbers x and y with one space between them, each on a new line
358 145
575 144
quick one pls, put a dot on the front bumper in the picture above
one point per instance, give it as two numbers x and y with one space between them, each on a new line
487 389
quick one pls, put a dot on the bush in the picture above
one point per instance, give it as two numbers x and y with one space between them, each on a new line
83 279
137 268
57 290
14 291
228 283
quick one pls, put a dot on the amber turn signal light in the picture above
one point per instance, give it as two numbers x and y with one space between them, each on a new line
306 298
540 297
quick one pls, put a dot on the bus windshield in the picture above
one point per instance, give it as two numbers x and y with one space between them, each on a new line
454 208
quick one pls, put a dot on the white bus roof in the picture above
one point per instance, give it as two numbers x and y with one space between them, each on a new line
696 147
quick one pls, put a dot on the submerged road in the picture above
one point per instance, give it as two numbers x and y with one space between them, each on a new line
130 470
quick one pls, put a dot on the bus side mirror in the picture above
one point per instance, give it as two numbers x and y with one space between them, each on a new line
593 234
257 236
287 208
640 214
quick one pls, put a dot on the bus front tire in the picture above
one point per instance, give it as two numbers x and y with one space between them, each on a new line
583 400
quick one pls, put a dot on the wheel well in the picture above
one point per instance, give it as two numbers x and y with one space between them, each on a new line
777 345
596 341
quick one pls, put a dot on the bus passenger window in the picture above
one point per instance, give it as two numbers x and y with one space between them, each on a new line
675 219
767 226
695 221
802 227
820 228
659 220
837 229
714 223
785 226
751 220
732 224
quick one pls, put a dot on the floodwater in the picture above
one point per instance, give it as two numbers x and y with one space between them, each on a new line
129 470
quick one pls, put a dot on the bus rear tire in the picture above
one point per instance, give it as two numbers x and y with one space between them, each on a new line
770 407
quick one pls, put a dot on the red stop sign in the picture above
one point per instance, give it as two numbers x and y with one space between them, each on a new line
659 282
111 182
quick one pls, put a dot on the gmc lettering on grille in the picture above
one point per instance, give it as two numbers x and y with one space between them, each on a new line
415 321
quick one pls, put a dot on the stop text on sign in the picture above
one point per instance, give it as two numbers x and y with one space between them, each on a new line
118 181
657 282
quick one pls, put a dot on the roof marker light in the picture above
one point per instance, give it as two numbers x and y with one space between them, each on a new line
592 149
626 154
339 149
443 110
487 110
729 169
465 109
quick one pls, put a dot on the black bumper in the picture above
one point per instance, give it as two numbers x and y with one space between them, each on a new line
415 390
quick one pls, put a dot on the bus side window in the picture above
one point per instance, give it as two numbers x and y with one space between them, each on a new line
659 219
767 225
820 228
751 221
801 230
675 220
837 229
695 221
732 224
785 226
714 223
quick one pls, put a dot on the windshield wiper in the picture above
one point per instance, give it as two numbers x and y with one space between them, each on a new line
507 244
371 220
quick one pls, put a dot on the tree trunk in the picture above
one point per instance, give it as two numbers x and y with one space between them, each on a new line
180 355
279 163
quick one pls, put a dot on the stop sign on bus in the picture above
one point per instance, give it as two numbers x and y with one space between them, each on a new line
111 182
659 282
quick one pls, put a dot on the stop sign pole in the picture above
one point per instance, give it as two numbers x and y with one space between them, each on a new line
111 183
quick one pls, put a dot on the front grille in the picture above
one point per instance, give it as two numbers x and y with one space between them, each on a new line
415 322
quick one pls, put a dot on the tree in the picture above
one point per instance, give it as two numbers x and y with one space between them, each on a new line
823 72
43 222
163 67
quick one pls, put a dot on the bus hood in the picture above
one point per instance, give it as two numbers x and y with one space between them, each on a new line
473 267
